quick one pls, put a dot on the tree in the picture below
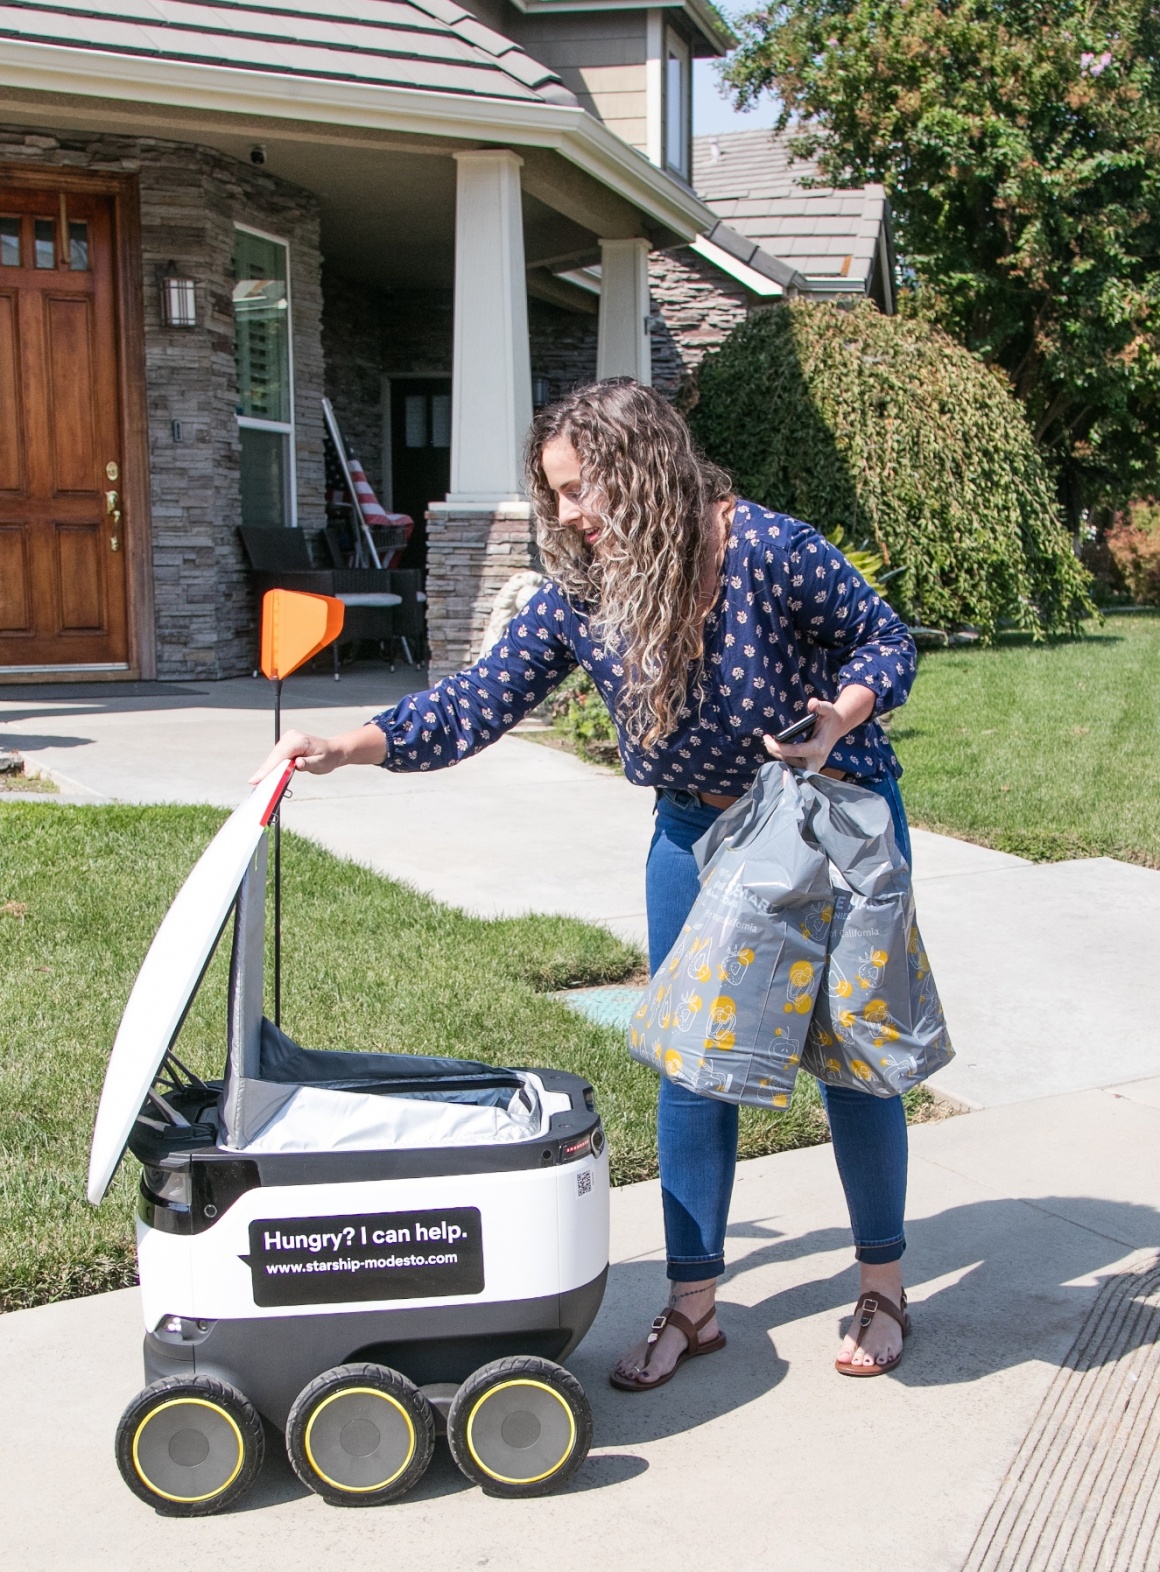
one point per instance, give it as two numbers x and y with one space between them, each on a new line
1019 141
887 429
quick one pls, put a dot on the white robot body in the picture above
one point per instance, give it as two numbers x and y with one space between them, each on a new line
352 1245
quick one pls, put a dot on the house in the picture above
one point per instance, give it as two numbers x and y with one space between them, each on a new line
213 215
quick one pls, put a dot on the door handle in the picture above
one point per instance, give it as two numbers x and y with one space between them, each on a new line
113 510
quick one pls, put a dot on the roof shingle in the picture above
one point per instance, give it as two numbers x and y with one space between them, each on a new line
830 236
425 44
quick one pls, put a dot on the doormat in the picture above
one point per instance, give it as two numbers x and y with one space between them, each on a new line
1083 1494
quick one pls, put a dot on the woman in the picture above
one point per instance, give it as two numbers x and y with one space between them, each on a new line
707 623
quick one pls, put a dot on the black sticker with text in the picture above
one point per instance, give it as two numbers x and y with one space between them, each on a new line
375 1255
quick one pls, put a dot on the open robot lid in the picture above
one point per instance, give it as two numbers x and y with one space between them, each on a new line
171 972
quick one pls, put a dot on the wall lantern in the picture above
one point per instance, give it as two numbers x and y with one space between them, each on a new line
178 302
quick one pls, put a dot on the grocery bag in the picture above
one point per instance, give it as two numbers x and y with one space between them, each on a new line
878 1024
801 951
728 1010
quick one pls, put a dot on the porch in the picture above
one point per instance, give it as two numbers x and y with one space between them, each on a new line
407 249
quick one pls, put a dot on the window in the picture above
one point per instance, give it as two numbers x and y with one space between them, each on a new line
264 362
9 242
678 99
427 420
44 242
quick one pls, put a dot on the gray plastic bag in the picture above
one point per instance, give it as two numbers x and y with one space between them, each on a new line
878 1024
801 950
728 1010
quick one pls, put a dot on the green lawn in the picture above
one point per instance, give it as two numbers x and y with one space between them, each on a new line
368 964
1048 751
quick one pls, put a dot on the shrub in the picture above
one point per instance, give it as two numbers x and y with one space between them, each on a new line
1133 543
578 710
884 427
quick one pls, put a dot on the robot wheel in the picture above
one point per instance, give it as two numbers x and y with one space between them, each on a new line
360 1435
190 1445
520 1427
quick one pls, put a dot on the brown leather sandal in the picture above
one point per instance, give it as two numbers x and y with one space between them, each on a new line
694 1350
865 1310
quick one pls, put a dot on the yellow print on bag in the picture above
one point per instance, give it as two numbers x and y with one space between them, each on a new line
722 1026
861 1070
817 920
673 1063
699 968
733 966
799 996
665 1009
917 955
871 969
877 1013
687 1010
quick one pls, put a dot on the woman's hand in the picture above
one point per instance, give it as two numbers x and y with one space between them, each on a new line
853 706
320 755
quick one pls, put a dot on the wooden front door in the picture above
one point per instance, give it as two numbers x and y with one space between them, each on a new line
62 546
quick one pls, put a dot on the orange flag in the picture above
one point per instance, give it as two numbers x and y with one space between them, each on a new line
295 627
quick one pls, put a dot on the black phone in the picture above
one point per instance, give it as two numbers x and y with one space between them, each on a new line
800 730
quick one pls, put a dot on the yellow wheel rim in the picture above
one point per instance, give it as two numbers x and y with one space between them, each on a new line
504 1386
188 1402
360 1391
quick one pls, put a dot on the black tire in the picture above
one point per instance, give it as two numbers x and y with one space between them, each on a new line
360 1435
520 1427
190 1445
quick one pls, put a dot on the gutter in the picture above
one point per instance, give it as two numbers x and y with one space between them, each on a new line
750 255
261 99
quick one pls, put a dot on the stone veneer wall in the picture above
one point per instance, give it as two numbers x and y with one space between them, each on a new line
563 345
417 332
470 556
694 307
206 619
352 328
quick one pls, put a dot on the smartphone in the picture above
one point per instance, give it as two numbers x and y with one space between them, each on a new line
799 731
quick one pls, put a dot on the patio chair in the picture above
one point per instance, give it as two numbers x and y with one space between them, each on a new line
281 559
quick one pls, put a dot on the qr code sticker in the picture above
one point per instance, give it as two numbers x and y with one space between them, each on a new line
584 1182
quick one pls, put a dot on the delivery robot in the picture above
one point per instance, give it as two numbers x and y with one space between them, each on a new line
362 1249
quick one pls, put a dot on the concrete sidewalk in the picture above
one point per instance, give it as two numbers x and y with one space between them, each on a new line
759 1457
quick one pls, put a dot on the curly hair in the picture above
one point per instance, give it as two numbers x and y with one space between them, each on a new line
654 494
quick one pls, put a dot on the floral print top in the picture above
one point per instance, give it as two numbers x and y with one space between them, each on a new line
793 620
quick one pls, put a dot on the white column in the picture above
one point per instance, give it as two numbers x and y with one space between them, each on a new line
622 344
491 386
654 86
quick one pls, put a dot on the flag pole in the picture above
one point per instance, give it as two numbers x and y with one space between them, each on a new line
278 868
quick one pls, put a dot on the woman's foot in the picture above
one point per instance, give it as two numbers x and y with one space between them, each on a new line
693 1300
881 1342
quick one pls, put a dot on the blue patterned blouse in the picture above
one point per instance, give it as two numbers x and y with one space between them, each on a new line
793 620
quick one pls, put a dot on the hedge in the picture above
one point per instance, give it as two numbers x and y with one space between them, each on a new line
888 429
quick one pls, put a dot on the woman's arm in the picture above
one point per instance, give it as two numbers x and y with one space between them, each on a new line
462 713
320 755
830 603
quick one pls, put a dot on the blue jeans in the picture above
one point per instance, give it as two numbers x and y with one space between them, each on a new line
697 1136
